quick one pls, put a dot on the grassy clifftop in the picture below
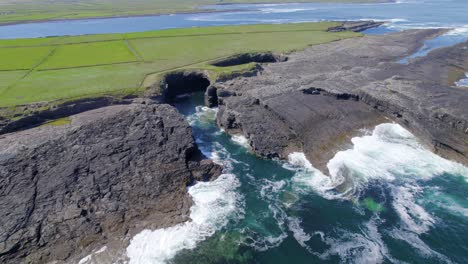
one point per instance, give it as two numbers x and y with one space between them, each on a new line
12 11
62 68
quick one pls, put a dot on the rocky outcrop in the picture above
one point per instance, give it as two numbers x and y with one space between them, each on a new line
318 124
31 115
356 26
262 57
109 173
322 96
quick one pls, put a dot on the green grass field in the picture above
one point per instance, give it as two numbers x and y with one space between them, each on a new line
63 68
13 11
22 58
88 54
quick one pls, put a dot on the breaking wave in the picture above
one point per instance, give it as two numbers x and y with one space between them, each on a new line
390 154
241 140
214 203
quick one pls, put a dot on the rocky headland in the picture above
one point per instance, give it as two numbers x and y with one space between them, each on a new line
319 98
111 172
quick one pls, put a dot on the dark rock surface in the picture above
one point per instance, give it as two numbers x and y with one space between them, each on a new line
326 94
211 96
356 26
262 57
108 174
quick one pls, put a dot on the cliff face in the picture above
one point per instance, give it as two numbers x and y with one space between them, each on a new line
111 171
326 94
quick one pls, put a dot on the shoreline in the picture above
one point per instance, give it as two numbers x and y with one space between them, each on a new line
200 11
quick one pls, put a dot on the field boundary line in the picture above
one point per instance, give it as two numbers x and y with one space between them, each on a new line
88 66
9 70
133 50
163 37
50 53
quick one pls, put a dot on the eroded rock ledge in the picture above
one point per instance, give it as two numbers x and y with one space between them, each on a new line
111 172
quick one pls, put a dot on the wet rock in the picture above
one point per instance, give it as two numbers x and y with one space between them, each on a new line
211 97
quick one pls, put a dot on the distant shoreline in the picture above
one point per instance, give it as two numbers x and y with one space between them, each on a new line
200 11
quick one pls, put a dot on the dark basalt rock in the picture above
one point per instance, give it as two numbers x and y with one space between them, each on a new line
113 171
265 57
211 96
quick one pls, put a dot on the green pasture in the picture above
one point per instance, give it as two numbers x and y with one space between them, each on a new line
22 58
88 54
63 68
14 11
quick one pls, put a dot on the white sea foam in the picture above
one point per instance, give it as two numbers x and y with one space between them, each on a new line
390 153
463 82
241 140
264 243
284 10
391 20
365 247
263 237
89 258
413 216
203 115
214 204
459 30
271 188
307 177
416 242
447 202
301 237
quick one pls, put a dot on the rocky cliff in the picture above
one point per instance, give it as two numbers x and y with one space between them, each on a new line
109 173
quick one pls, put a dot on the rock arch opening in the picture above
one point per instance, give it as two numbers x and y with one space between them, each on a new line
180 83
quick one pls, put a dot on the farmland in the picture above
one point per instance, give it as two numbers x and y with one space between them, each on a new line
63 68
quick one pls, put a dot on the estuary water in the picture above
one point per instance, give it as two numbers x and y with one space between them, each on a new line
399 15
387 200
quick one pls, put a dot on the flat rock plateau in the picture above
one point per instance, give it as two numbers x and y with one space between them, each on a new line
319 98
